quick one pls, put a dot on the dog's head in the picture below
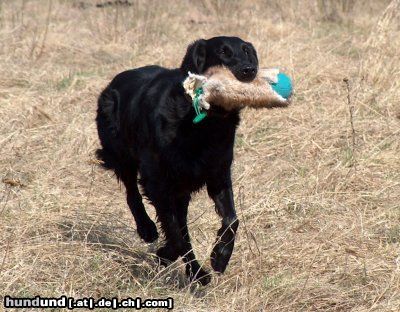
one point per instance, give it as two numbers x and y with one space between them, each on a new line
237 55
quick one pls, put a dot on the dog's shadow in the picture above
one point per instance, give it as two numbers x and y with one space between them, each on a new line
125 247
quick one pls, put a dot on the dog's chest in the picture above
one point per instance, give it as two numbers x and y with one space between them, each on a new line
191 164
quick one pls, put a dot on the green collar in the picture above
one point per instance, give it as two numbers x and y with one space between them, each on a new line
196 105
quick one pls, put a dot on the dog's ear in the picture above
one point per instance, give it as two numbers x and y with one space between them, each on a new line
195 58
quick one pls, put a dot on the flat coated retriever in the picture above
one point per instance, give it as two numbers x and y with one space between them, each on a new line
144 121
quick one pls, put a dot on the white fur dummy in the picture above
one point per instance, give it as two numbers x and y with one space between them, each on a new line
221 88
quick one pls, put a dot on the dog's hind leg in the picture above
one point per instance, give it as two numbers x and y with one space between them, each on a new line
146 228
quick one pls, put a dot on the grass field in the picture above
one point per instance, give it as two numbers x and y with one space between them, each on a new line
317 185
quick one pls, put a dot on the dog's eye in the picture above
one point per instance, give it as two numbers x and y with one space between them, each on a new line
246 50
225 51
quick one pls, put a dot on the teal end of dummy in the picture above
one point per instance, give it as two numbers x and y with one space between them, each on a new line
284 86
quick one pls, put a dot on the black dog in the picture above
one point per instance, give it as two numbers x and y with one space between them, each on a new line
145 126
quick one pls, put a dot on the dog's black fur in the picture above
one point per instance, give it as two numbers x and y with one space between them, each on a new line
145 126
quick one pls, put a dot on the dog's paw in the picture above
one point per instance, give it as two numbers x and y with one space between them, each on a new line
197 274
220 256
147 231
166 255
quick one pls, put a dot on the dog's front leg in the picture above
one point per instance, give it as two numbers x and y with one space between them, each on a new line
173 218
224 205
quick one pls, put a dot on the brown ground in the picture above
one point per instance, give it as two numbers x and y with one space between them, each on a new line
320 216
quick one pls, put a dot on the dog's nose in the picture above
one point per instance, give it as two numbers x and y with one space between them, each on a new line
249 71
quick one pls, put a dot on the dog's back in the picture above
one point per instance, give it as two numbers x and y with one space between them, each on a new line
114 103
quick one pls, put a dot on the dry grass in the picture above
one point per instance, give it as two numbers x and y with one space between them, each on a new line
320 216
